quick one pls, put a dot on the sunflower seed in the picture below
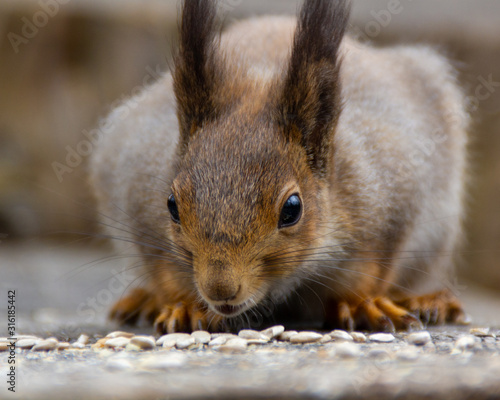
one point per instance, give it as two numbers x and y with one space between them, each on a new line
45 345
306 337
273 331
117 342
340 335
382 337
201 337
236 345
419 338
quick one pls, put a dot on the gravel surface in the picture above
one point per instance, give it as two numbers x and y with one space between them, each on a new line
460 362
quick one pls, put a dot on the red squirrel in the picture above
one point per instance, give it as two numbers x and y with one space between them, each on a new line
282 165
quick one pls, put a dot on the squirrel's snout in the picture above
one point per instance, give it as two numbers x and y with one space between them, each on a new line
222 291
225 285
219 283
223 299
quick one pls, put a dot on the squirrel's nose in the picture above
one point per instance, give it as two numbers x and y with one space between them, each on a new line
219 283
222 292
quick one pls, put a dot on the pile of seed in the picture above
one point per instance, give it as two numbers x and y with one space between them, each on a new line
347 343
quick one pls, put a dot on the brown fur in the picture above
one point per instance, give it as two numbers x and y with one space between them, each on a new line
259 114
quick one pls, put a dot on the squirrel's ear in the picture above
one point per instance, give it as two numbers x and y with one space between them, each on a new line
196 71
309 102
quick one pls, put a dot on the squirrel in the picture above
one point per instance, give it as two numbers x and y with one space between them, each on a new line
285 169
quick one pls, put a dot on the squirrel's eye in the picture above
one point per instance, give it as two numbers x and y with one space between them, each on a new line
174 211
291 212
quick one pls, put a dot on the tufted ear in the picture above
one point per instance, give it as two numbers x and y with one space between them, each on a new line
196 71
309 102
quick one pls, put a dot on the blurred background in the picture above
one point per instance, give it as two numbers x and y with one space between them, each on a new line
65 63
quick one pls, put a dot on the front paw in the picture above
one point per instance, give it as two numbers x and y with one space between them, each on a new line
436 308
186 317
139 304
376 314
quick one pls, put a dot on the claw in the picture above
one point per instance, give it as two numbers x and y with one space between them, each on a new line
384 324
200 325
345 317
172 326
412 323
435 316
425 316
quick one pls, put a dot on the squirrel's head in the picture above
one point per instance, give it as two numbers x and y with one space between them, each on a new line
254 158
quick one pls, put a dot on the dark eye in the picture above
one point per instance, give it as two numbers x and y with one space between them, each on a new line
174 211
291 212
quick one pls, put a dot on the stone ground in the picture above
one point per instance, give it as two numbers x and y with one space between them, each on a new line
63 291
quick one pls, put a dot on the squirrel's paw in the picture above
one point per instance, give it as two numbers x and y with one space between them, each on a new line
436 308
138 304
379 314
182 317
385 315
